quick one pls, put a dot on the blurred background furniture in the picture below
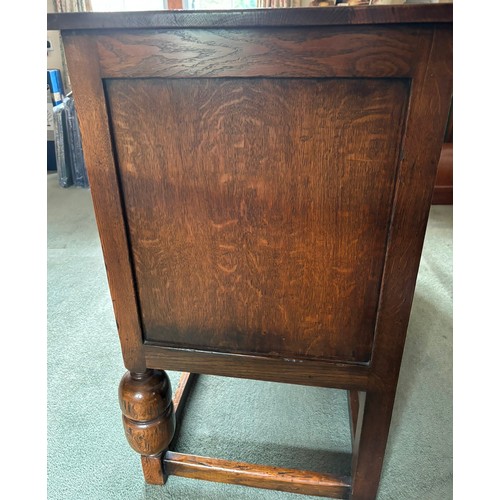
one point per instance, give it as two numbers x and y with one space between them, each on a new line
443 189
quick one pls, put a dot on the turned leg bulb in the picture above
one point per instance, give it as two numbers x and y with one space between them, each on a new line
148 416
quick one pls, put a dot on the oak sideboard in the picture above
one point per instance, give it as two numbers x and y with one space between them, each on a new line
261 181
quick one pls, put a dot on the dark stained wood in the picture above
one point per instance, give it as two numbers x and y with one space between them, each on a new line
148 418
289 370
257 476
149 437
266 228
232 255
448 136
353 402
343 51
153 469
179 401
182 392
426 122
427 117
93 119
382 14
357 420
443 188
145 396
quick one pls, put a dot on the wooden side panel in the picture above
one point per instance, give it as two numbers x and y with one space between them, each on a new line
258 210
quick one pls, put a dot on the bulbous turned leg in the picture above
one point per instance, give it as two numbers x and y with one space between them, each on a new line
148 418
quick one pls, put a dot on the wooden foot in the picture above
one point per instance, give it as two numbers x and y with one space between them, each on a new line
148 418
153 469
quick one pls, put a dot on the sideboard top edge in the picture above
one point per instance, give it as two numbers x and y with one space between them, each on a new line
314 16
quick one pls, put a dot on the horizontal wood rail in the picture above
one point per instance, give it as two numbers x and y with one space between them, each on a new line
312 372
185 384
312 16
181 393
257 476
223 53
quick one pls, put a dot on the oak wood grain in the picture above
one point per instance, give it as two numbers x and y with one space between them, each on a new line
425 127
265 222
148 412
288 370
258 476
362 476
181 395
426 122
382 14
186 381
153 469
369 51
353 404
279 217
99 160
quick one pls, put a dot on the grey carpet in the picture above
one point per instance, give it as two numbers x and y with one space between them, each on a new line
262 422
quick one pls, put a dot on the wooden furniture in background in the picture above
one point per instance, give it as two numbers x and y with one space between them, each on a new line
174 4
262 182
443 188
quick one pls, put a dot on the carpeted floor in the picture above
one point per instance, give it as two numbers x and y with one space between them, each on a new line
262 422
